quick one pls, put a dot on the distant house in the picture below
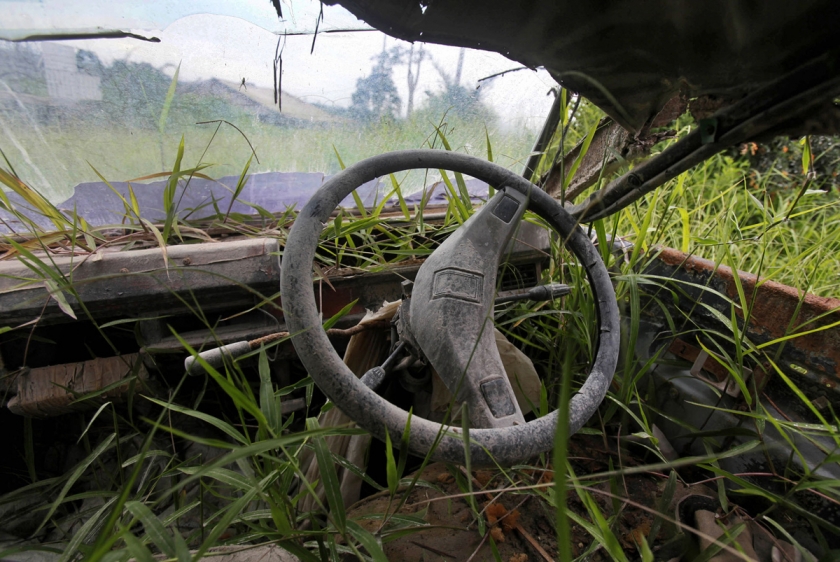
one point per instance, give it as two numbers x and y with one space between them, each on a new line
64 81
260 102
57 83
45 74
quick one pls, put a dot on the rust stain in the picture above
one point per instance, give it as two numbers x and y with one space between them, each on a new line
688 352
774 312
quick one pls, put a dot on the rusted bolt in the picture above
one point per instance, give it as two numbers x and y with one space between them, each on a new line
186 261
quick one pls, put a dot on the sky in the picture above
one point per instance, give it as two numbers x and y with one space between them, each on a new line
237 40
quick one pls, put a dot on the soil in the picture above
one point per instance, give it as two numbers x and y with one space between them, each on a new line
521 524
453 533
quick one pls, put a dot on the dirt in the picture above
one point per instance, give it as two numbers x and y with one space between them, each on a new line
521 524
452 532
635 497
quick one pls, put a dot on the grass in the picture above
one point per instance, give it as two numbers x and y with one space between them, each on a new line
61 156
222 466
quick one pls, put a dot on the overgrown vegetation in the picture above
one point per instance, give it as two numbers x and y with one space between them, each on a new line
143 114
222 465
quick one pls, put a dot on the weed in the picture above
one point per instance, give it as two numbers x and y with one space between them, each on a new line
241 481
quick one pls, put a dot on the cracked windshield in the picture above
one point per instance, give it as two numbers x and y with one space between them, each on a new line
213 91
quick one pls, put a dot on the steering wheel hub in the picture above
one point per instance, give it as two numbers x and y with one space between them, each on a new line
452 311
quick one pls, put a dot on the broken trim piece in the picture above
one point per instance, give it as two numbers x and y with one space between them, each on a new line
60 389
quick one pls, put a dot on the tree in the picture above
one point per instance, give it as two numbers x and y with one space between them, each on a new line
376 96
133 93
456 100
414 61
88 62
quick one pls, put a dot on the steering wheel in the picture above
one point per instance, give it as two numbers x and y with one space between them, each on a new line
449 317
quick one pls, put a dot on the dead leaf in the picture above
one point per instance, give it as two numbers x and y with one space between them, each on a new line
494 512
59 298
483 477
510 522
445 478
497 534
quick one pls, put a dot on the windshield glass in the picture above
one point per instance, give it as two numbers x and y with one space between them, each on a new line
73 109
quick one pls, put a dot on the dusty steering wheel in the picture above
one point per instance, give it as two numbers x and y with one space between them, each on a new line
450 316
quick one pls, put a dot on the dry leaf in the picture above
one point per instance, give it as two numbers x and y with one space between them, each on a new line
494 512
512 519
635 536
445 478
483 477
497 534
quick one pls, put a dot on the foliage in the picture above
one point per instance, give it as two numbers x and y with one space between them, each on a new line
376 96
456 101
54 146
224 468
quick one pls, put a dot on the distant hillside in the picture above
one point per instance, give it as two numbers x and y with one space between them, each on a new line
291 106
59 85
258 102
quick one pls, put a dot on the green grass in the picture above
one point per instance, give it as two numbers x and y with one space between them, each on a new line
133 491
65 158
717 213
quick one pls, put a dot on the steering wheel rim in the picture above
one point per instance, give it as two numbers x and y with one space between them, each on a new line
505 446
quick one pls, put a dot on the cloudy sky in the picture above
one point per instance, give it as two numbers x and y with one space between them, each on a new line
237 40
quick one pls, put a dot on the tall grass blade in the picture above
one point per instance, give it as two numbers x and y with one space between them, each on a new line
153 527
269 402
160 239
72 548
137 549
167 102
40 203
391 465
75 475
560 461
329 478
240 185
230 514
58 296
583 150
400 198
404 441
221 425
367 540
338 157
465 432
169 191
463 212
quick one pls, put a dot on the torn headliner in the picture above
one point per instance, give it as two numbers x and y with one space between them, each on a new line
628 57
